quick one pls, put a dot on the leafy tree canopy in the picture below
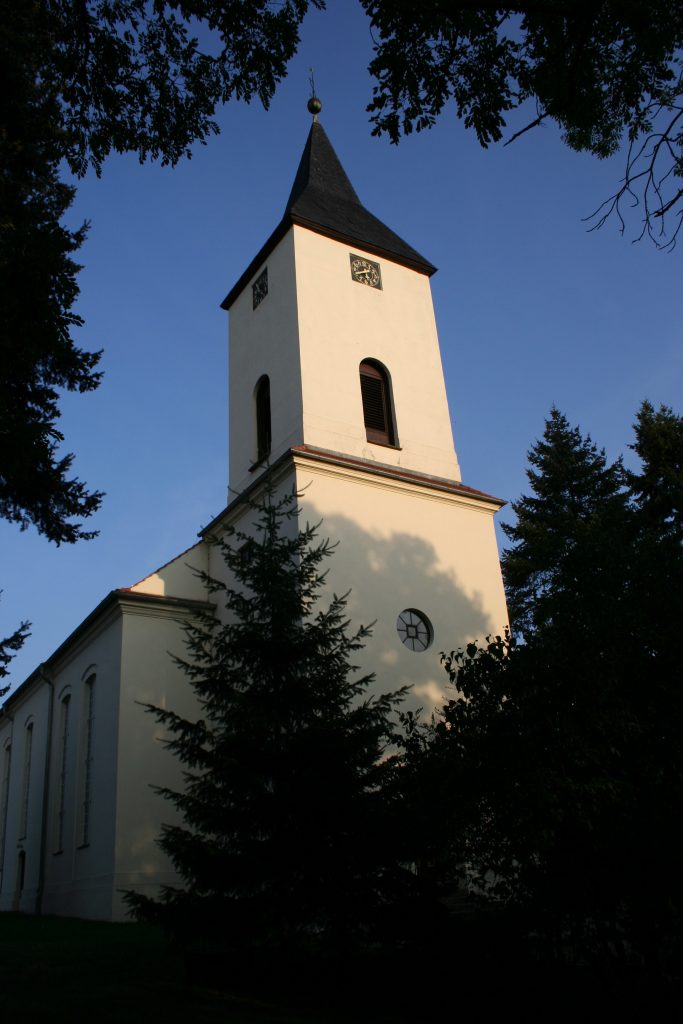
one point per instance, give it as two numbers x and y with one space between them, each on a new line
80 79
605 73
38 357
132 76
287 833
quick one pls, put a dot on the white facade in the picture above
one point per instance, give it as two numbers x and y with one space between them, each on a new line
78 816
310 334
78 753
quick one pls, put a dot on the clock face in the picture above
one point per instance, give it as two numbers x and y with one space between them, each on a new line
365 271
414 630
259 288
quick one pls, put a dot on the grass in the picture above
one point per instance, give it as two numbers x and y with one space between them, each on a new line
57 969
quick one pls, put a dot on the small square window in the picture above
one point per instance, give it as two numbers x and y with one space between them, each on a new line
259 288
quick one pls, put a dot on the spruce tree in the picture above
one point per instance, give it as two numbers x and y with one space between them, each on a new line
285 837
565 750
560 537
658 488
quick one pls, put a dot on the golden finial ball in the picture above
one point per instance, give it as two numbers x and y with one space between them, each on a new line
314 105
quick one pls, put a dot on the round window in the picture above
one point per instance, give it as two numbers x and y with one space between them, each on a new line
414 630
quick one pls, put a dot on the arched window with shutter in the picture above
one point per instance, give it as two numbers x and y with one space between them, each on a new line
375 388
263 432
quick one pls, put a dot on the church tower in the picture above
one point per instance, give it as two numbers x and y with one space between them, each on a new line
336 387
336 393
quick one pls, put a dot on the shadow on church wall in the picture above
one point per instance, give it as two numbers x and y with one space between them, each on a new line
386 575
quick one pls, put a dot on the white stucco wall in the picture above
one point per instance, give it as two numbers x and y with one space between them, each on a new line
342 322
310 334
405 546
31 710
178 577
265 341
399 545
126 650
77 878
148 676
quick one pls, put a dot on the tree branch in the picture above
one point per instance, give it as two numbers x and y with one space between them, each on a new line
532 124
648 152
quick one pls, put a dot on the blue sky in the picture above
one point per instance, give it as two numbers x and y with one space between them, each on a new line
531 309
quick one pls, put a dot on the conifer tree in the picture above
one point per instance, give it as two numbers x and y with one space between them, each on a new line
658 488
558 537
285 836
565 750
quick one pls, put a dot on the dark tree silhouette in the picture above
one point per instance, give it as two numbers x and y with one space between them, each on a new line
608 74
564 751
38 358
287 834
560 525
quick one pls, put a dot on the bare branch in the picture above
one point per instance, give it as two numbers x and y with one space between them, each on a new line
650 162
667 206
532 124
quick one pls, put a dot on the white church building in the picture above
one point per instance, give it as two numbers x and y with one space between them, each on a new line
336 389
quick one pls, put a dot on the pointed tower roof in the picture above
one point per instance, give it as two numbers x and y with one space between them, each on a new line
324 200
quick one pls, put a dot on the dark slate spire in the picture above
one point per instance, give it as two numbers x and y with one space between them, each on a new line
320 174
324 200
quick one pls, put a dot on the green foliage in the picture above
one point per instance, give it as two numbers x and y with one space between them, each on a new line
9 647
658 489
38 358
128 971
560 528
605 73
565 749
78 80
131 76
287 823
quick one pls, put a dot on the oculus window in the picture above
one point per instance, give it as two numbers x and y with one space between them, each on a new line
414 629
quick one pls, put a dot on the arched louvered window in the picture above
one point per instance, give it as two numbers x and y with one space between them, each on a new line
376 394
263 434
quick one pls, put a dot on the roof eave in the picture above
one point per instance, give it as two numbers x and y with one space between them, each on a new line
115 598
263 254
421 266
